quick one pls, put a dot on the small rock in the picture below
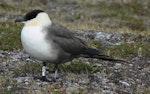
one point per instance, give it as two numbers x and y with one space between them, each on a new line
19 80
27 83
2 54
9 87
103 36
107 92
117 66
126 84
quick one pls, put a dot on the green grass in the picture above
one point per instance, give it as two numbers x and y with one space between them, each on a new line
9 36
54 92
121 10
129 14
146 91
79 66
126 17
3 81
6 92
130 49
33 68
95 44
7 7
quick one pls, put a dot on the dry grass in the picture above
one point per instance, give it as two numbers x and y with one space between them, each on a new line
111 16
116 16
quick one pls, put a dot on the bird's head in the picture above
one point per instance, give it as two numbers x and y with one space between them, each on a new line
35 18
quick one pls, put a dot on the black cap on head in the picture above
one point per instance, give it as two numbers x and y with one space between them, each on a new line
32 14
28 16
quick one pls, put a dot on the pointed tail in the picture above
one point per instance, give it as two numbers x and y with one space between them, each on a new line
94 53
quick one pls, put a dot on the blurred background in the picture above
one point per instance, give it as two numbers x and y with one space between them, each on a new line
117 16
125 14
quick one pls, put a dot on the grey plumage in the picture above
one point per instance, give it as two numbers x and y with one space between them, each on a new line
60 44
65 39
70 46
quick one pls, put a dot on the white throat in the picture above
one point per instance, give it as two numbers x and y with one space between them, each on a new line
33 38
35 44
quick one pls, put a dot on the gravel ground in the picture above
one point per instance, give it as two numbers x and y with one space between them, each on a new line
114 78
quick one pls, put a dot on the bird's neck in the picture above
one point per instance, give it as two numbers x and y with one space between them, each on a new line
39 21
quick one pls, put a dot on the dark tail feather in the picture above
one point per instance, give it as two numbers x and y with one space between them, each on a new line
94 53
108 58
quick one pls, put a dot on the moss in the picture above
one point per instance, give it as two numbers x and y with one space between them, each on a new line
6 7
95 44
33 68
79 67
134 7
79 16
124 50
9 36
3 81
6 92
127 14
146 91
54 92
128 49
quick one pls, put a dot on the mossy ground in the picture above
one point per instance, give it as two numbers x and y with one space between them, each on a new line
130 16
130 50
125 17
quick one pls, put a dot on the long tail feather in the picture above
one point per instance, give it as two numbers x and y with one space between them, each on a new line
108 58
94 53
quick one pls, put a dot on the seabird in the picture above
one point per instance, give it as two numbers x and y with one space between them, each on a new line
53 43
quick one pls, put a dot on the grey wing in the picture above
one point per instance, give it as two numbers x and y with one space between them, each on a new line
66 40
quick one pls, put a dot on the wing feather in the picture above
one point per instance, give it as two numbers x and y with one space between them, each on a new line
66 39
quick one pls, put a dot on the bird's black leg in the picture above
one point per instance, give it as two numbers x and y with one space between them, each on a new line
56 71
44 70
43 78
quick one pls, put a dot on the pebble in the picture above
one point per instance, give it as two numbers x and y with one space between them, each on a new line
126 84
9 87
105 82
117 66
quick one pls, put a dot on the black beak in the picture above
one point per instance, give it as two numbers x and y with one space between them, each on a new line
20 19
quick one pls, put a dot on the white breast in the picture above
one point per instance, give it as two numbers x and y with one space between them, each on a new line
34 43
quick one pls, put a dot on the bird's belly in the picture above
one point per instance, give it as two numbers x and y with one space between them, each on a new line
34 43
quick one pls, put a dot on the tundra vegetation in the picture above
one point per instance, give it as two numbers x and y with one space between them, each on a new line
129 19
